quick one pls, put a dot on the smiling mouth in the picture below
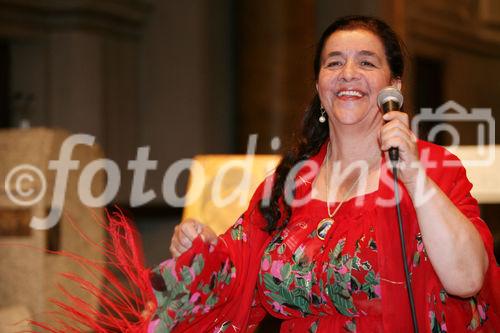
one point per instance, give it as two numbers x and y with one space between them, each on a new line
350 94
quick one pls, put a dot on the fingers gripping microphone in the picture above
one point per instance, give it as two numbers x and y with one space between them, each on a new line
390 99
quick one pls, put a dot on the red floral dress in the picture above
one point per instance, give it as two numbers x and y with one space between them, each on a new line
329 285
353 280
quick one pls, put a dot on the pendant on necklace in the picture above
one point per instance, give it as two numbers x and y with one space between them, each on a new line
324 226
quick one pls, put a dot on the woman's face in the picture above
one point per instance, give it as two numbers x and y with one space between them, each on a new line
353 70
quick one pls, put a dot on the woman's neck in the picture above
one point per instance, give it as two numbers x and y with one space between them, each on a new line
359 142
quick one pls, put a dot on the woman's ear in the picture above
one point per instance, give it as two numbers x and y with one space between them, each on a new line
317 87
394 82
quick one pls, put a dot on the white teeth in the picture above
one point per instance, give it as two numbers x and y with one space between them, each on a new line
349 93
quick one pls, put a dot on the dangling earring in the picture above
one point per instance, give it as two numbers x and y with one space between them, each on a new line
322 118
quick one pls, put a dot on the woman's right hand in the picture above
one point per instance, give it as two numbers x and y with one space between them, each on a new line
186 232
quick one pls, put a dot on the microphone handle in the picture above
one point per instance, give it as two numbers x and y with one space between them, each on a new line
393 154
388 106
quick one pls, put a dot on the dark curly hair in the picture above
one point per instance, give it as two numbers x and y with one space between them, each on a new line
313 134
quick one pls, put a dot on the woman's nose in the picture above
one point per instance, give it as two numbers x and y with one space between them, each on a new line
349 71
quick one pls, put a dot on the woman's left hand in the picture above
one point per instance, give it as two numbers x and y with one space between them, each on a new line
396 133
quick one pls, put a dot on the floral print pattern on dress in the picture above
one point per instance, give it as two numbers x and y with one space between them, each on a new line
344 284
314 327
350 325
237 231
420 251
479 310
186 290
436 326
289 284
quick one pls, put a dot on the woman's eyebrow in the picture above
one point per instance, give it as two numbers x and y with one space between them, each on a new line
334 54
368 53
362 52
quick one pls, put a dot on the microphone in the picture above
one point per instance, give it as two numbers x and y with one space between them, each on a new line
390 99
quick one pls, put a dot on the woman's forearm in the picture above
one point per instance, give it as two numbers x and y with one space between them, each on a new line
453 245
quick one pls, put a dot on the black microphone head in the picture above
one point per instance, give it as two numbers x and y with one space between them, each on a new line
389 94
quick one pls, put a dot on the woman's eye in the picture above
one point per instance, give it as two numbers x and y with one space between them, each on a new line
334 64
365 63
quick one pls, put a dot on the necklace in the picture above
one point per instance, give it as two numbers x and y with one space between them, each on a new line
325 224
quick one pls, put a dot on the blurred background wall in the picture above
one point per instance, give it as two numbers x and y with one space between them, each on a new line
196 77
